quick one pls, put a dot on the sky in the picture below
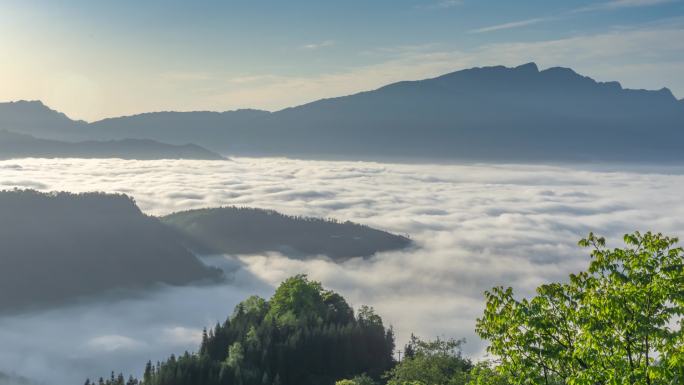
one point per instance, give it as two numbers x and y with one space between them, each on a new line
97 59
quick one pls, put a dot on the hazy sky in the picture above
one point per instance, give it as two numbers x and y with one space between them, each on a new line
94 59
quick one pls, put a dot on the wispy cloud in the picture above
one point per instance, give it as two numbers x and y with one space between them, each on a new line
314 46
511 25
447 4
618 4
443 4
603 6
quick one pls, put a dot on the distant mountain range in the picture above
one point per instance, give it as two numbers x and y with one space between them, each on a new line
489 113
14 145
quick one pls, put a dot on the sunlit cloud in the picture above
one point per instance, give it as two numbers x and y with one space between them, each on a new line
112 343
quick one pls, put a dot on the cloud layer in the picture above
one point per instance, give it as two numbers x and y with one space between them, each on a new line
476 226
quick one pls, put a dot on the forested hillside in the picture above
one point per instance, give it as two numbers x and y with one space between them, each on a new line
239 230
303 335
60 246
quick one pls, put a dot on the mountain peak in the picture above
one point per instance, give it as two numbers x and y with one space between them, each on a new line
36 107
29 104
667 92
528 67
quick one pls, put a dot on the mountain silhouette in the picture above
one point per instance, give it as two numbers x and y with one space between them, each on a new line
489 113
14 145
36 119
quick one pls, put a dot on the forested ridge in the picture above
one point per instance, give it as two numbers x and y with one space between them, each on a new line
303 335
60 246
243 230
79 245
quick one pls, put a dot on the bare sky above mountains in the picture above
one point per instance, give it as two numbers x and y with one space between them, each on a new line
93 60
477 226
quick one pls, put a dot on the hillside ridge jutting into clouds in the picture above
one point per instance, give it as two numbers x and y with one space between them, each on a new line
79 246
482 114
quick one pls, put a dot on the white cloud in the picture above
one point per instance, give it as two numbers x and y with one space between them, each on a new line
476 226
112 343
511 25
442 4
182 336
618 4
315 46
603 6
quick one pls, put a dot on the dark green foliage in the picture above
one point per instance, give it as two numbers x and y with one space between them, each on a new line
304 335
238 230
59 246
114 380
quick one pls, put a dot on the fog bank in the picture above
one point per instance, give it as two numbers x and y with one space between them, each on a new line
476 226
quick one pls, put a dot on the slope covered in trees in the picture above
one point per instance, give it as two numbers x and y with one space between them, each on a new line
306 335
59 246
236 230
303 335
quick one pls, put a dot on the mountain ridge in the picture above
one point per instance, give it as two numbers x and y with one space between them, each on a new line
482 113
13 145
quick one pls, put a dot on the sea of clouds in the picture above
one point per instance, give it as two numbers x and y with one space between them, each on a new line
475 226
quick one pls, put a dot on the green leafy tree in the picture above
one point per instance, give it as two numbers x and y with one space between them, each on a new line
619 322
484 373
437 362
345 382
295 298
362 379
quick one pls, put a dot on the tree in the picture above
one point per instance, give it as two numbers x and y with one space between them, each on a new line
295 298
362 379
619 322
484 373
345 382
303 335
437 362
